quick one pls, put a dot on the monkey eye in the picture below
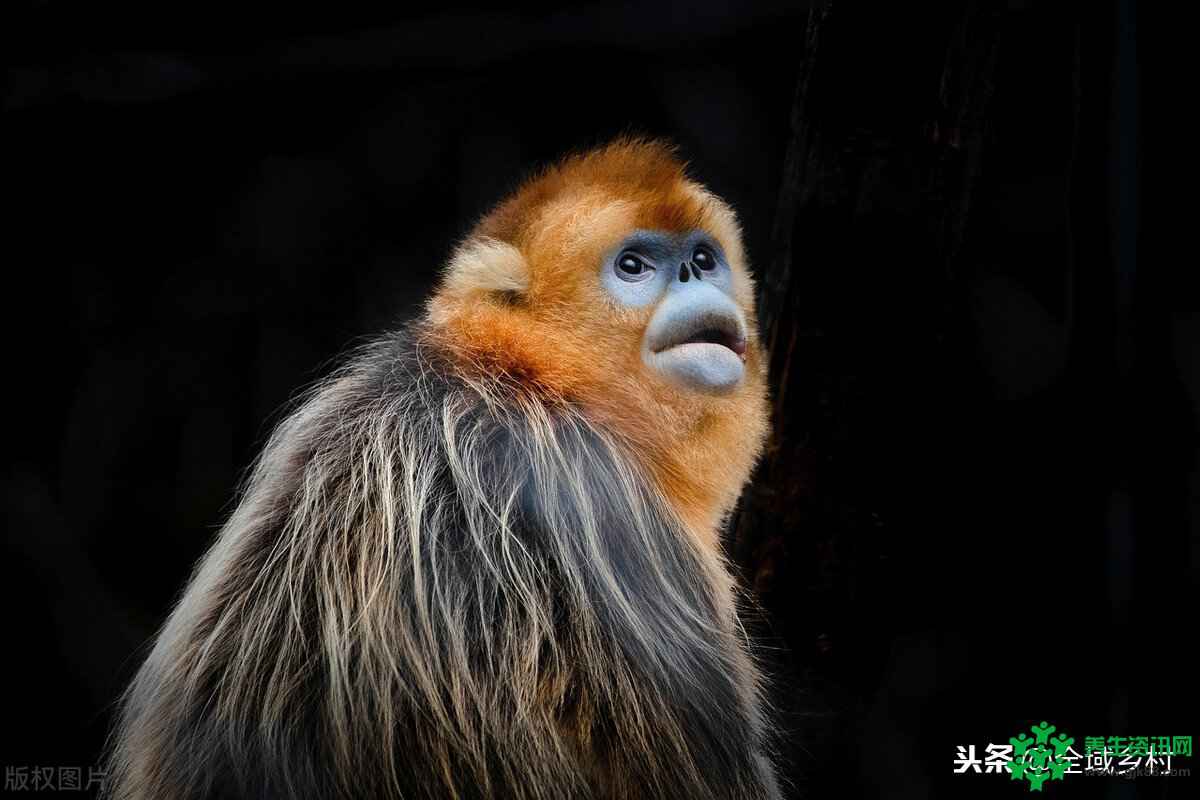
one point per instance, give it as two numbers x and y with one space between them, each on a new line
703 258
631 267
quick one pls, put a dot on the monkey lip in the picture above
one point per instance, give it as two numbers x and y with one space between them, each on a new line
700 346
721 330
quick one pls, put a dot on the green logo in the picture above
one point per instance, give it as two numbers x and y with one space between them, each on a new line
1041 757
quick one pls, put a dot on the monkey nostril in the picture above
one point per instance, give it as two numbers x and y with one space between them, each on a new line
683 273
696 271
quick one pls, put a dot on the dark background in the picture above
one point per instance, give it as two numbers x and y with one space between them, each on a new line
981 506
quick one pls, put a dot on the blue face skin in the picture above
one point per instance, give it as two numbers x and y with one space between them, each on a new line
696 337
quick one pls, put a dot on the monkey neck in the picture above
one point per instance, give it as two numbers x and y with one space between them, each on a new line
698 451
701 470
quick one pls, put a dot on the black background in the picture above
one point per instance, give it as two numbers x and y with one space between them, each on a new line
205 207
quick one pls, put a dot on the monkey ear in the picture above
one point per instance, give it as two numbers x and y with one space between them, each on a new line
487 266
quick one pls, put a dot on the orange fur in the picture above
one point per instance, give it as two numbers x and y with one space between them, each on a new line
561 333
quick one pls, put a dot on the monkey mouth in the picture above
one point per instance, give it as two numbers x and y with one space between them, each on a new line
731 339
710 326
698 343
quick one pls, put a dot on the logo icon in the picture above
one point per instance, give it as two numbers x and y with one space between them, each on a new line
1038 758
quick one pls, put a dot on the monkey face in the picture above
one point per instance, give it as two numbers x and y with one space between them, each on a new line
696 336
615 281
